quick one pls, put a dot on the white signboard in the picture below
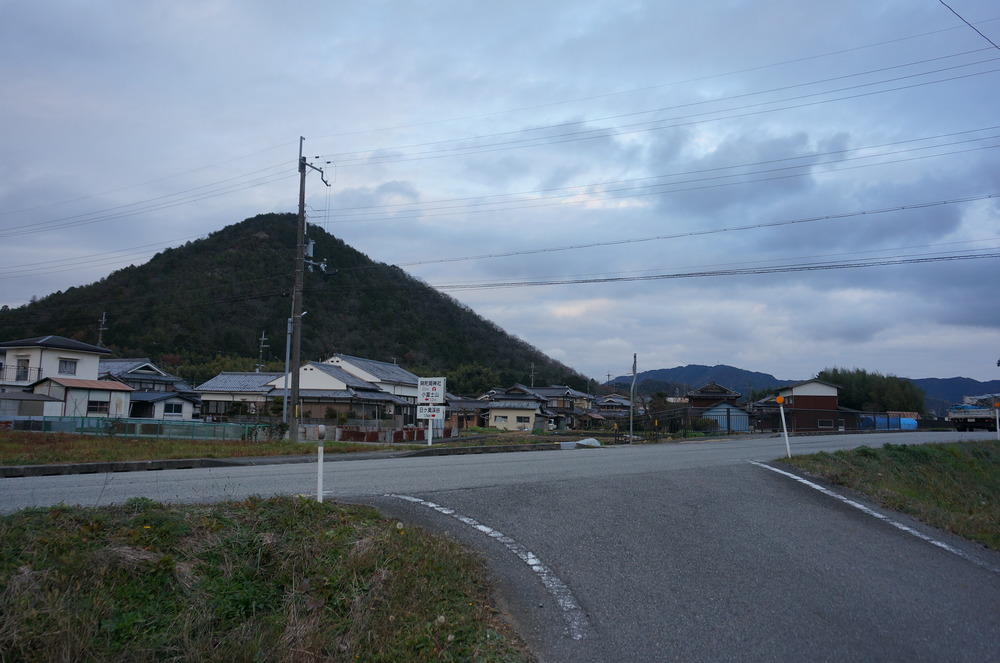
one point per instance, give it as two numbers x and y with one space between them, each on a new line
430 412
430 390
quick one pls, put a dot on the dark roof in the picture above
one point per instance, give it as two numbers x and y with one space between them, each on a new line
382 370
60 342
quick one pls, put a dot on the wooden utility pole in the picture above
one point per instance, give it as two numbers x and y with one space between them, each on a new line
300 265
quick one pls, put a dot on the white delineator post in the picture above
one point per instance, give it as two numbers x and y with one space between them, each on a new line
321 434
784 427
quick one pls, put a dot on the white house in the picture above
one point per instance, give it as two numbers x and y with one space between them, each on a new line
327 388
26 361
391 378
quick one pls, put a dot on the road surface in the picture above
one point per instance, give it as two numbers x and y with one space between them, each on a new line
653 553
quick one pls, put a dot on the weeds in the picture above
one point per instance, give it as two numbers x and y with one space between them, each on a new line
955 487
281 579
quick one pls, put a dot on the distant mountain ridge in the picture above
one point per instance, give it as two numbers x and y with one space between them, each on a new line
939 393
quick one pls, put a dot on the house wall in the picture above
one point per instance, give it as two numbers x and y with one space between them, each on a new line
77 401
47 359
507 419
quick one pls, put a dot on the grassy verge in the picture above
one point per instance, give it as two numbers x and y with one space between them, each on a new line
281 579
22 448
954 487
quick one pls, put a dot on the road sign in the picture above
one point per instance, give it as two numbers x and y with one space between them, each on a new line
430 390
430 412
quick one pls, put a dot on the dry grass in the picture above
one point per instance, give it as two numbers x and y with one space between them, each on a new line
955 487
282 579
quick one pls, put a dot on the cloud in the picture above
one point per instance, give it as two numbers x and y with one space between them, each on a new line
565 141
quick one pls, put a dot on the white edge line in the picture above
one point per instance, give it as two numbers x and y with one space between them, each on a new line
572 612
875 514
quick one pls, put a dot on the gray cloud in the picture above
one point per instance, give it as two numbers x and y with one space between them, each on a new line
523 129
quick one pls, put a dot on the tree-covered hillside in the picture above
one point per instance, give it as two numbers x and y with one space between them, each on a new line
202 307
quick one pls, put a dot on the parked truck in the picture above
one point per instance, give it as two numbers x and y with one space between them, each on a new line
973 417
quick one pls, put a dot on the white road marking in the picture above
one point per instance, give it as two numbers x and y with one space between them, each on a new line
576 619
886 519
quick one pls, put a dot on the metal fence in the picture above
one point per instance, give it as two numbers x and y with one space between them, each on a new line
155 428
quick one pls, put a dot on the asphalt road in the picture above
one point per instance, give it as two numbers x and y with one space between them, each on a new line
652 553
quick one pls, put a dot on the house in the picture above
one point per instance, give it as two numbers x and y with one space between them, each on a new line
26 361
516 408
809 406
87 398
711 394
157 395
614 406
231 394
390 378
567 406
327 389
62 373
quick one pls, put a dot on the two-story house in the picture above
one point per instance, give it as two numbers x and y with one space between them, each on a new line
157 395
65 372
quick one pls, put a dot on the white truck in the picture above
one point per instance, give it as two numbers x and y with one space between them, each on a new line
973 417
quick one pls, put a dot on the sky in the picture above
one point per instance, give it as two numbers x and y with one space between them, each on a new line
779 185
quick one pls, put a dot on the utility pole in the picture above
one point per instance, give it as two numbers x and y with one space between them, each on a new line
260 353
103 327
300 263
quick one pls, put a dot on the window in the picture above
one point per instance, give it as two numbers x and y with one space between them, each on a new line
22 370
97 407
174 409
523 420
824 423
500 418
67 367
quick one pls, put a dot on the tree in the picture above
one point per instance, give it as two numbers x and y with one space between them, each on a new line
874 392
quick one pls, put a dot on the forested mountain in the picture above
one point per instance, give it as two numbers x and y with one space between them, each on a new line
202 307
678 381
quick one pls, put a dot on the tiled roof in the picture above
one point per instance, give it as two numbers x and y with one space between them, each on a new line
235 382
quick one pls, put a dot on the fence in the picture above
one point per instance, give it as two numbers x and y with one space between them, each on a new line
767 419
197 430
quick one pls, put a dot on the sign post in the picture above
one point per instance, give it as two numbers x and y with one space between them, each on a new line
430 400
784 428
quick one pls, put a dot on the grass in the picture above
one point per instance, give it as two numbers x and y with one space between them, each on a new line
954 487
30 448
281 579
27 448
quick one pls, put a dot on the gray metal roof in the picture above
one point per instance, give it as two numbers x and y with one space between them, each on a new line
60 342
236 382
382 370
340 374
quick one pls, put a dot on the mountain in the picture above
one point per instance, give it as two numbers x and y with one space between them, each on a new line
939 393
215 297
679 380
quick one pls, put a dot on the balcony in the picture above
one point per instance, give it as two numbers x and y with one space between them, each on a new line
19 374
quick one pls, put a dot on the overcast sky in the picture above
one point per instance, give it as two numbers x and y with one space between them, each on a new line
599 178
